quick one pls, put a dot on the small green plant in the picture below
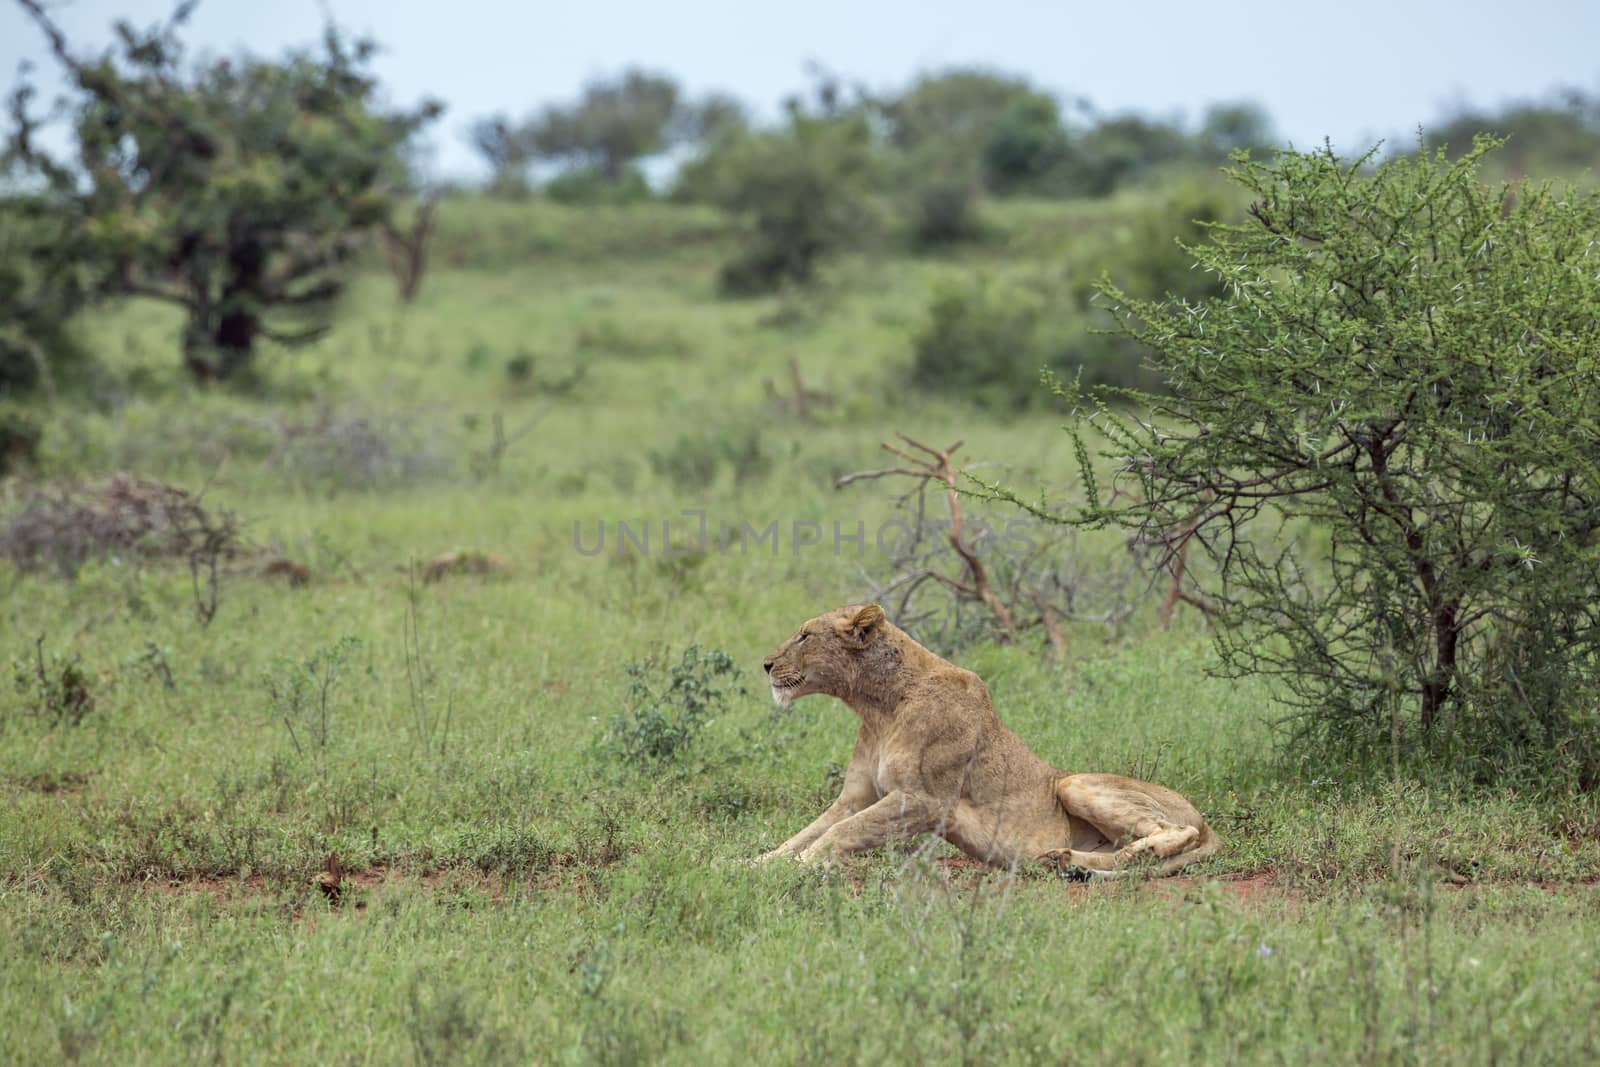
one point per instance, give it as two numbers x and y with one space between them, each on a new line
301 692
664 716
54 687
446 1026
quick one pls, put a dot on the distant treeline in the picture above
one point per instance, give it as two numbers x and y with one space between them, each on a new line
242 190
993 130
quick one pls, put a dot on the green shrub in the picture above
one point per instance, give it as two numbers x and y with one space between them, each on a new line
1405 359
663 717
985 341
1026 144
799 195
988 340
1147 257
43 283
944 210
588 186
55 688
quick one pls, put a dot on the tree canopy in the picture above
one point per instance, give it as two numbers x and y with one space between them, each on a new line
1385 430
233 189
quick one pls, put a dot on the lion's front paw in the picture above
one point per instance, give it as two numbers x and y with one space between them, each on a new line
815 856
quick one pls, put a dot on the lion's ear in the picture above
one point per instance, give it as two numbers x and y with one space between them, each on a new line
860 628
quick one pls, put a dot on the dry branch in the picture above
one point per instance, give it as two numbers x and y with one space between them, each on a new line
937 468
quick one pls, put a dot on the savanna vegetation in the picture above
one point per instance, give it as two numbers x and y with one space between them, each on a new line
383 662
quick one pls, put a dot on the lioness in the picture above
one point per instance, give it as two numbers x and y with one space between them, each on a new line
932 757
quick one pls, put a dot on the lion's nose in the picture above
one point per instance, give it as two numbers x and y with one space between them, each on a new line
766 665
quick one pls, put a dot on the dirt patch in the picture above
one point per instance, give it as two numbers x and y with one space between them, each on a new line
65 782
347 892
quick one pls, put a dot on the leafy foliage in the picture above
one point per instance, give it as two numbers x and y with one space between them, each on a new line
1027 144
20 434
664 717
593 186
1121 150
1556 135
1148 257
799 193
1236 127
613 124
301 692
986 341
55 688
1402 367
233 189
944 207
993 126
43 283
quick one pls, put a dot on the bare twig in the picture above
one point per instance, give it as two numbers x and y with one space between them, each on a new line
1177 563
937 468
407 250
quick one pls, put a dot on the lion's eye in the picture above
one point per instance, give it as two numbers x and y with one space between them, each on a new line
802 637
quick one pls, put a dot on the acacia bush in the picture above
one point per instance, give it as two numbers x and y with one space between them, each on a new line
1401 371
1146 256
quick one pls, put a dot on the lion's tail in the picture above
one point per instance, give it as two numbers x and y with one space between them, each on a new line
1206 846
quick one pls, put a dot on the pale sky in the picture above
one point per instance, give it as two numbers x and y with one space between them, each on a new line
1353 71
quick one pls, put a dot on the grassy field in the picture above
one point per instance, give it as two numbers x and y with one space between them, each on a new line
383 819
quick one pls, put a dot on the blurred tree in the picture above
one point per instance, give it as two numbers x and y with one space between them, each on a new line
799 193
498 142
612 125
1118 150
1561 136
1229 128
234 189
975 121
42 284
713 117
1027 143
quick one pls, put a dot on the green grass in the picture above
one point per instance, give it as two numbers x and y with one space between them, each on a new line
515 892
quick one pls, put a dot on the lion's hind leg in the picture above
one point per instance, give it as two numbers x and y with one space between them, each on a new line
1140 820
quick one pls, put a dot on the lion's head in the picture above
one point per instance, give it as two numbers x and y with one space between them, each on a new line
826 654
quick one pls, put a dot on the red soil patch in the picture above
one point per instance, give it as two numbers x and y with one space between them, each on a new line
66 782
345 890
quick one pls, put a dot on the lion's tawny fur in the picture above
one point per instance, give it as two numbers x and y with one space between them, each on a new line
933 757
